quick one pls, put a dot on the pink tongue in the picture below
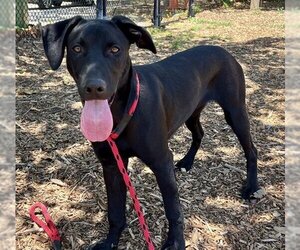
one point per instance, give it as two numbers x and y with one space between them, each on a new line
96 120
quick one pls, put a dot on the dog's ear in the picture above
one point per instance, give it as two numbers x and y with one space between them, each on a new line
54 39
134 33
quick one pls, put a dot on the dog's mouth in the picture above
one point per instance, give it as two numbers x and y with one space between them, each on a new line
110 100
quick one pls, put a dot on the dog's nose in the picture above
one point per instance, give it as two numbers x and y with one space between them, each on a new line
95 89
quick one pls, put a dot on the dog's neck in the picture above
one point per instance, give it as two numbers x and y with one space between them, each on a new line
122 93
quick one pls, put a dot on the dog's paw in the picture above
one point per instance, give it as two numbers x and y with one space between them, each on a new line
173 245
184 165
252 193
103 245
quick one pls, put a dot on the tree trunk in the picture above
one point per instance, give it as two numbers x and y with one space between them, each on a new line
21 13
255 4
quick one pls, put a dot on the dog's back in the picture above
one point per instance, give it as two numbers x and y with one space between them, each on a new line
190 79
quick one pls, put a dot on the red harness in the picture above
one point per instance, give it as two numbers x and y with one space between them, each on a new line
130 109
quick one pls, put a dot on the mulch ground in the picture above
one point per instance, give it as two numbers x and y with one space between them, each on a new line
56 166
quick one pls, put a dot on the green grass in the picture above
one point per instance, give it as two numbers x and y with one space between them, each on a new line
227 3
209 23
158 31
178 42
178 35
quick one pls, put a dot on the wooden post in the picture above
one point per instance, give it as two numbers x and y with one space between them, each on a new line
255 4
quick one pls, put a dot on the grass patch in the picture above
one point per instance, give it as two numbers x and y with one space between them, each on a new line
178 42
186 31
227 3
209 23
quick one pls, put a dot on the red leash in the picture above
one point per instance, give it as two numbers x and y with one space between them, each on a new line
137 207
135 200
48 226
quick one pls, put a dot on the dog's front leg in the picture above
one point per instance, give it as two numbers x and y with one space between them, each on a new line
116 196
165 176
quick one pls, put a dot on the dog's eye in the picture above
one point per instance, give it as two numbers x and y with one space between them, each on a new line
77 49
114 49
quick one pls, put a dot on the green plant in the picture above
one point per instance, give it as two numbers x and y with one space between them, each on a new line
197 8
180 42
227 3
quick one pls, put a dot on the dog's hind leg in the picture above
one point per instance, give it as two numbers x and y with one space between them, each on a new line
194 125
237 118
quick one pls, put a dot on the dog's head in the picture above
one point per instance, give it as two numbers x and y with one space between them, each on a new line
97 51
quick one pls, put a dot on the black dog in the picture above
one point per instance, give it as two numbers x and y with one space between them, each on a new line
174 91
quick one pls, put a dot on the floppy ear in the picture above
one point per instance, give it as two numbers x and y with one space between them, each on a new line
134 33
54 39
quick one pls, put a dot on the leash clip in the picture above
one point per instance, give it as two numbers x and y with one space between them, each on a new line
48 226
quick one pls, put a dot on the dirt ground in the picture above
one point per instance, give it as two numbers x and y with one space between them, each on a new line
56 166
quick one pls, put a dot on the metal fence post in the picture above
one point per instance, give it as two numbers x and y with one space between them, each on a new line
101 9
190 11
104 8
156 13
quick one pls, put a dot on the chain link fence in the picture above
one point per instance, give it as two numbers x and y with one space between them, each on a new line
33 12
7 17
49 11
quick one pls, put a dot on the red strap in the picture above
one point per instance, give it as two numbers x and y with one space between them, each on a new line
114 135
130 107
132 192
136 99
49 226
